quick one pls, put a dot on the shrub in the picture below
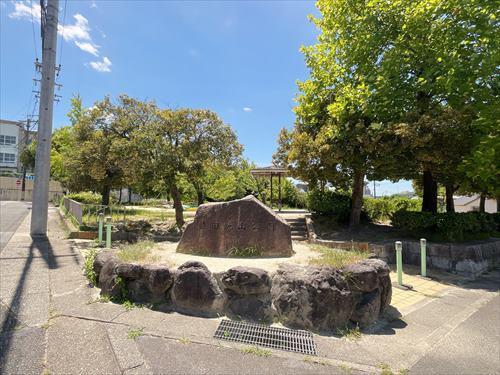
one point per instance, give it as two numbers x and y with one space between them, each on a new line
88 265
379 209
449 226
329 203
86 197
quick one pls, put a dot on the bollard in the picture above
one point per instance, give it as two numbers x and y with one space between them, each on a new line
423 257
108 232
101 225
399 262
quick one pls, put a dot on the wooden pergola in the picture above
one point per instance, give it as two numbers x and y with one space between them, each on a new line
271 171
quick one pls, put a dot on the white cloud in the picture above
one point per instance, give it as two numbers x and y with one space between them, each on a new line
247 109
80 30
101 66
23 11
88 47
93 4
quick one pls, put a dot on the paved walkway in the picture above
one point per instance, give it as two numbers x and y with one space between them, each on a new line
51 323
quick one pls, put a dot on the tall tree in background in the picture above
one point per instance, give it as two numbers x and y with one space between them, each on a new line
97 159
178 143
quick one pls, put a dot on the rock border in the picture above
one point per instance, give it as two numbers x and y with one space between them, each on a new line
319 298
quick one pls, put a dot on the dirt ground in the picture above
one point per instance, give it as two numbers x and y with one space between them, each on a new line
168 256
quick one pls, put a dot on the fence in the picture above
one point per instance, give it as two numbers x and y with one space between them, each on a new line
16 195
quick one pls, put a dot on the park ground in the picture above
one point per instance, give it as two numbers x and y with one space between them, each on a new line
53 323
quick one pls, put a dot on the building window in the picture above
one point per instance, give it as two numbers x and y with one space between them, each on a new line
7 158
7 140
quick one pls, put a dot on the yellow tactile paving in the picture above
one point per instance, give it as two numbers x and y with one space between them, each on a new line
422 288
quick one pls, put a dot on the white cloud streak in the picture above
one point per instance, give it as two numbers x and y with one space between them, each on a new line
77 32
247 109
101 66
88 47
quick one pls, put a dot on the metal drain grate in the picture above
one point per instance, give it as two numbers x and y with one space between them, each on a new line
271 337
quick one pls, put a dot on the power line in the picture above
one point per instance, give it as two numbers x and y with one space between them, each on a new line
33 28
62 33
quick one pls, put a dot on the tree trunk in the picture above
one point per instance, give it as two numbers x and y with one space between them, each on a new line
176 196
105 195
429 199
200 196
357 199
120 196
482 203
450 203
498 203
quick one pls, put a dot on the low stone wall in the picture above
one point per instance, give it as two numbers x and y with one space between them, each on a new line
319 298
464 259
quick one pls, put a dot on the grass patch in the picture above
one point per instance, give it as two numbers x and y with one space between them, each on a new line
255 350
385 369
103 299
350 333
88 265
336 258
134 333
246 252
318 361
139 252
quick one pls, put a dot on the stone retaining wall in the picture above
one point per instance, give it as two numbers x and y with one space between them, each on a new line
464 259
320 298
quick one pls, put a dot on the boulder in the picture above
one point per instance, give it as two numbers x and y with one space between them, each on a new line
195 290
129 271
367 309
370 281
312 297
244 225
256 307
246 280
248 293
109 280
101 258
158 280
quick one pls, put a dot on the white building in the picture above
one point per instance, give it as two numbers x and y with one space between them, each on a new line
471 203
13 137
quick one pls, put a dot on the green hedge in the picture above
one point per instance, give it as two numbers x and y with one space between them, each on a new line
338 205
329 203
87 197
447 226
380 209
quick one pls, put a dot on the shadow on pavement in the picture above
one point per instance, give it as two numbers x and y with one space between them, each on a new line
39 247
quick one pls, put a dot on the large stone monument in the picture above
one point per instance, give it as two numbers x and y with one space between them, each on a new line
242 226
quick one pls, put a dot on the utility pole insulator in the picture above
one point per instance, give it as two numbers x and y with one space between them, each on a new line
49 22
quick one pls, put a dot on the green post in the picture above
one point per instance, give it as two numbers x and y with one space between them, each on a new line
399 262
101 225
108 232
423 257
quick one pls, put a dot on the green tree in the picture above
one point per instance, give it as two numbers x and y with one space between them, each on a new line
98 158
177 144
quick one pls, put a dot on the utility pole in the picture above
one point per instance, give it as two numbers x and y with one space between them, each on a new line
374 190
25 144
49 22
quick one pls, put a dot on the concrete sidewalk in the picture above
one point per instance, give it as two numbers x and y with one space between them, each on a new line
52 323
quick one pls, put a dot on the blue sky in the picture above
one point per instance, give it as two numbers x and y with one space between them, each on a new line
239 59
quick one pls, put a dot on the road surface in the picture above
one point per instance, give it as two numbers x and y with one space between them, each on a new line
12 214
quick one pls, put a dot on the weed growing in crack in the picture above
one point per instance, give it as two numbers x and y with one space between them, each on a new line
255 350
184 340
318 361
135 333
352 334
